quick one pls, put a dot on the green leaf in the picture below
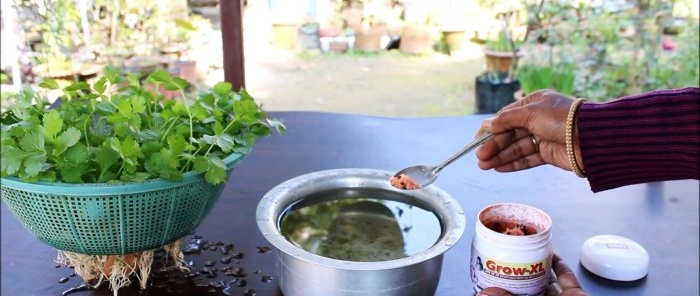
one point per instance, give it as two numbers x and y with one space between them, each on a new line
180 109
112 74
277 125
217 171
199 112
157 162
105 158
135 123
108 176
125 109
159 165
217 128
33 164
160 77
82 85
47 176
138 104
130 147
72 173
11 159
176 83
100 85
246 111
177 144
201 164
105 107
223 88
67 139
134 79
76 154
49 83
223 141
137 177
128 151
32 142
208 101
52 124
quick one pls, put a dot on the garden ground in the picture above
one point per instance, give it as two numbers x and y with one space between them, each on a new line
385 84
388 83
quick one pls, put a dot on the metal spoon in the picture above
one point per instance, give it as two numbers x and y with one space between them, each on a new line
425 175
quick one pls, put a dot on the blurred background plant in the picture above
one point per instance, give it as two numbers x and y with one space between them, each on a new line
52 30
618 48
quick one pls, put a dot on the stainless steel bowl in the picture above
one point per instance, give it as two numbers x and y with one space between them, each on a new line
302 273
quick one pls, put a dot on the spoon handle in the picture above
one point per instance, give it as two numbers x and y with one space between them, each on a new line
476 143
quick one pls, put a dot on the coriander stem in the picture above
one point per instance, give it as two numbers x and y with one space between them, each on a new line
228 125
210 147
189 112
170 127
182 169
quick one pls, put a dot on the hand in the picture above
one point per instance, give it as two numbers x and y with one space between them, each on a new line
538 118
564 283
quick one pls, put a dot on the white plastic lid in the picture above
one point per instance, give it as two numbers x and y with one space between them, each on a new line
615 257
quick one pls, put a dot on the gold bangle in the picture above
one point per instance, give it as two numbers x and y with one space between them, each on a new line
569 138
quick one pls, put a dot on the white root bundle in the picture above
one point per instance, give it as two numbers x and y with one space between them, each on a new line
118 269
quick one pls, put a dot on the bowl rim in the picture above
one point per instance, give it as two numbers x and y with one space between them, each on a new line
279 198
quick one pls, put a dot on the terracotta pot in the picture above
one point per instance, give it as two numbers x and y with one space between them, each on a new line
499 61
415 39
186 70
368 39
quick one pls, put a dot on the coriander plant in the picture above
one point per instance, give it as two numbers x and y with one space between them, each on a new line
117 129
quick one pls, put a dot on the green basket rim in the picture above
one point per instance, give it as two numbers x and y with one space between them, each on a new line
88 189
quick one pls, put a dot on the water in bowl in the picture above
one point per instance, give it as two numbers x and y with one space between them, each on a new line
360 225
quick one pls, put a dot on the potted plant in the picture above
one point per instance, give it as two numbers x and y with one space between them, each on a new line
533 77
377 17
111 174
496 86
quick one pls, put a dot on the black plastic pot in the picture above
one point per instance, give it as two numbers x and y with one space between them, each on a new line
492 94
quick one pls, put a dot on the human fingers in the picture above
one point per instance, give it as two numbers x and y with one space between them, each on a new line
542 113
516 119
512 151
493 291
566 278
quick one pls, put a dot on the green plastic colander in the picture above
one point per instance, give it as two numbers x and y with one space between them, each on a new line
112 218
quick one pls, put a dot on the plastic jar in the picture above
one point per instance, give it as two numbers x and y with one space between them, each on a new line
520 264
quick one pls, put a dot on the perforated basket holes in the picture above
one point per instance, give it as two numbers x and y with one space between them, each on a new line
95 220
41 216
118 224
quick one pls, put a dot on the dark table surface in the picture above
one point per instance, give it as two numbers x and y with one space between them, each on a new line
662 217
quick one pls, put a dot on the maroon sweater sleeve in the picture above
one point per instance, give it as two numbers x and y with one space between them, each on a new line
653 136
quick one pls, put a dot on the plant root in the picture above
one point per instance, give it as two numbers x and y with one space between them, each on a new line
118 269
